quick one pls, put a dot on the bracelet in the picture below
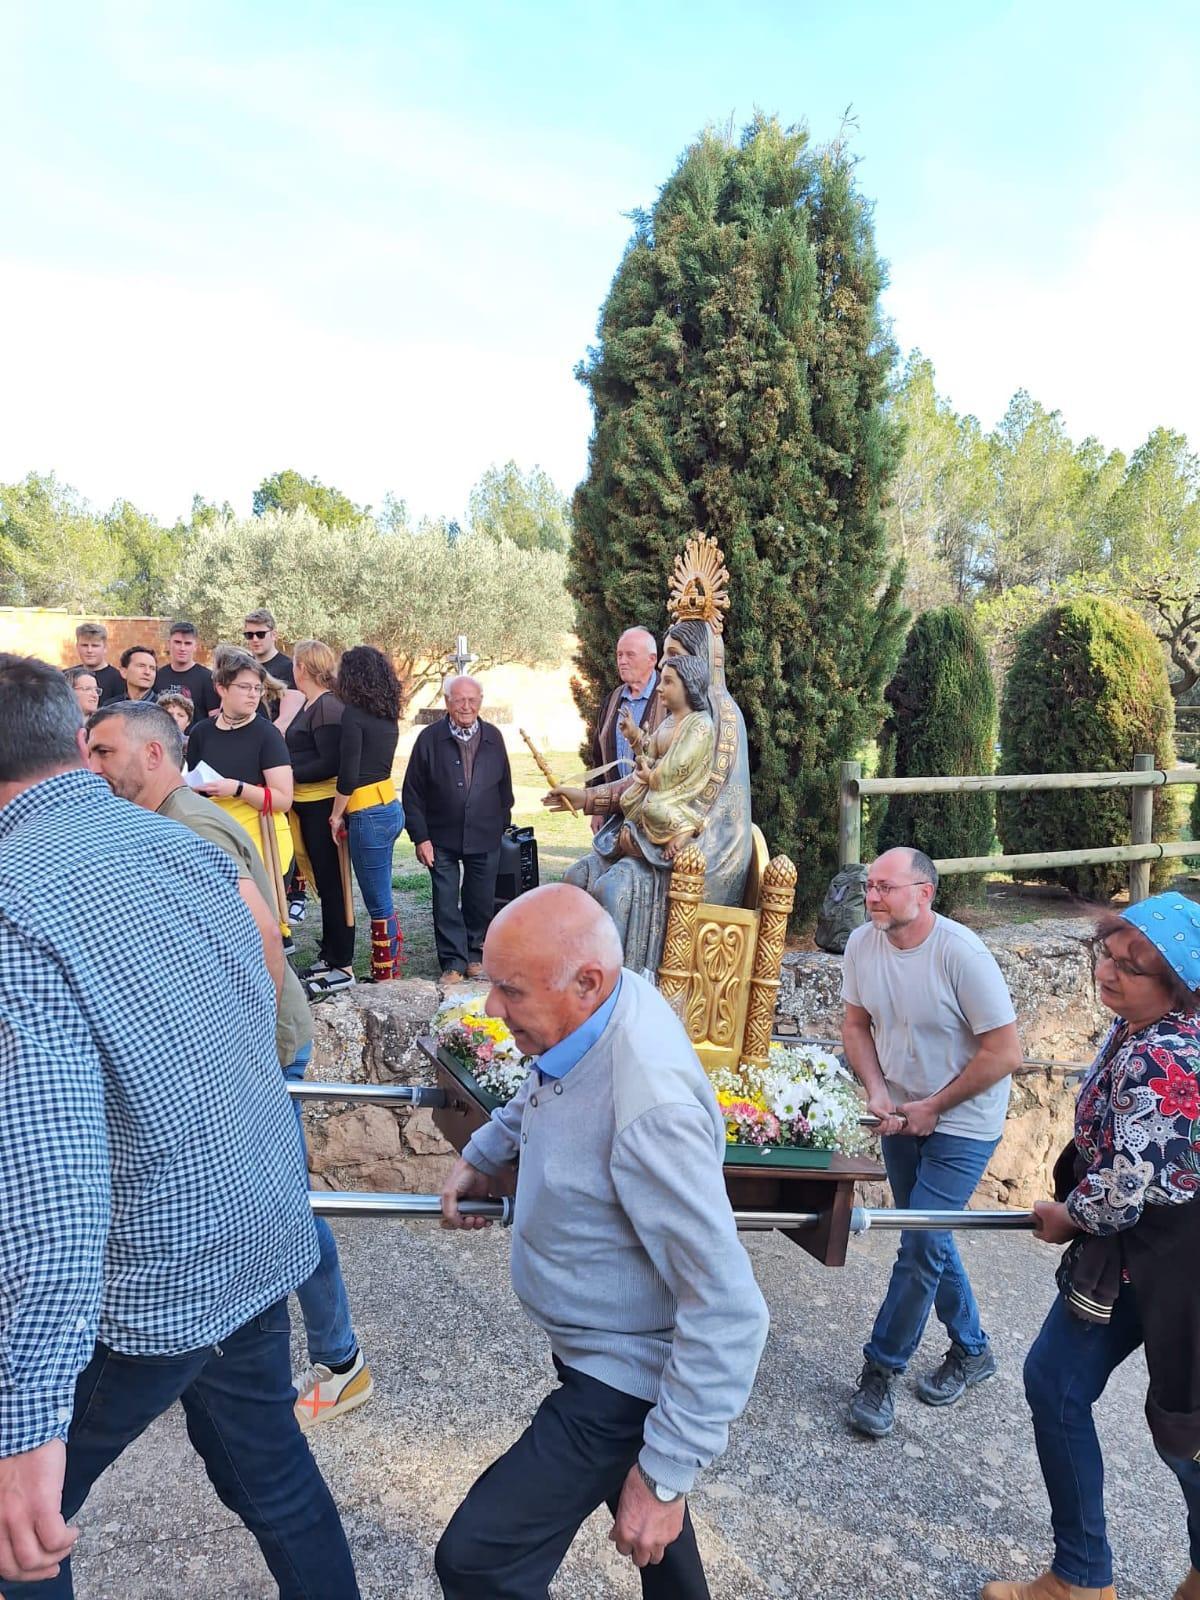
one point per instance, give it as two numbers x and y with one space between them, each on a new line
237 793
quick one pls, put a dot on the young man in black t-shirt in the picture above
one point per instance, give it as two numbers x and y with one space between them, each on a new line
184 675
139 667
91 646
258 631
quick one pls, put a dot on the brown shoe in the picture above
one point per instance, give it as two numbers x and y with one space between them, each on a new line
475 970
1048 1587
1189 1589
451 976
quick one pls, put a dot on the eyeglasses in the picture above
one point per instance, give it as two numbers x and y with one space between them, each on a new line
888 889
1101 952
246 688
255 633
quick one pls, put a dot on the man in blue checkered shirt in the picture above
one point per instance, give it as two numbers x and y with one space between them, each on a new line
154 1210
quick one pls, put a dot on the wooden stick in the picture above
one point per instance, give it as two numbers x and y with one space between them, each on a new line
544 767
343 850
271 861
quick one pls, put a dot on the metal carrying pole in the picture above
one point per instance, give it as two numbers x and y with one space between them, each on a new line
862 1219
371 1094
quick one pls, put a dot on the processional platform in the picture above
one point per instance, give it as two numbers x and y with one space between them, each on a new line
774 1180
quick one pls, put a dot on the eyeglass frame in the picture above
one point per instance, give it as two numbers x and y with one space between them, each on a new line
886 890
1098 948
253 633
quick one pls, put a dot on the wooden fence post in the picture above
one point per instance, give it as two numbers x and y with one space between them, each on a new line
849 814
1141 830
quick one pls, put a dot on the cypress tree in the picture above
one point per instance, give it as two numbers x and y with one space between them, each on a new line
737 390
942 720
1086 692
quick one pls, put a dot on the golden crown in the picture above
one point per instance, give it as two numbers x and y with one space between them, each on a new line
698 588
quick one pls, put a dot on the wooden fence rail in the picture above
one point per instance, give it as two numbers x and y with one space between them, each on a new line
1144 778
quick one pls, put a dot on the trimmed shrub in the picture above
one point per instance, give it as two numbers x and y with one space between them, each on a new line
1087 690
942 721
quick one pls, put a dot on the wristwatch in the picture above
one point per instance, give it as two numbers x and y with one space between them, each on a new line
237 793
661 1493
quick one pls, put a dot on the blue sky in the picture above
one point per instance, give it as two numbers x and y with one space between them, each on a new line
370 240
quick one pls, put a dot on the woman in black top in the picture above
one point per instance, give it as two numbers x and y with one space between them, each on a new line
365 804
314 742
250 755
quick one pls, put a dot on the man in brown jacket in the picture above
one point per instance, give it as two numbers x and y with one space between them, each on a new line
637 695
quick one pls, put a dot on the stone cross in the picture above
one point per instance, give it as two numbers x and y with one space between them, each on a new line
460 657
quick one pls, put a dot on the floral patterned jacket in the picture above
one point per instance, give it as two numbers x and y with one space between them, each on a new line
1137 1125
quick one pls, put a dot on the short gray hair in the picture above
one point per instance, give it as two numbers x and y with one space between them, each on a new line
39 719
449 686
651 641
922 866
144 721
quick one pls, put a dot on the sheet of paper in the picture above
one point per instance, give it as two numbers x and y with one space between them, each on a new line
201 773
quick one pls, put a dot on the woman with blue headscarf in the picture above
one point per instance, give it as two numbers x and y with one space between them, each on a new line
1131 1274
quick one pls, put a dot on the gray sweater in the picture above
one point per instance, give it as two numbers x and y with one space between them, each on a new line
624 1246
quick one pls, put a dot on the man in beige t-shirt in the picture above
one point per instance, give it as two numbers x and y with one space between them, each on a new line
930 1032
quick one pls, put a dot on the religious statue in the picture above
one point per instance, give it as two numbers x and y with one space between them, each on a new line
697 793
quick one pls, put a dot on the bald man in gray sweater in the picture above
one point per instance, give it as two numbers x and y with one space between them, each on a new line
624 1252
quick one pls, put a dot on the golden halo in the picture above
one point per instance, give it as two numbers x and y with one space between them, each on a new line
698 589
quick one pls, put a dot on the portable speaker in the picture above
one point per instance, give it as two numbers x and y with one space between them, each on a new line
518 869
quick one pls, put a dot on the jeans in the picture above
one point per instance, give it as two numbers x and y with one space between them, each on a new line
459 931
238 1401
373 835
323 1302
937 1173
1065 1373
508 1538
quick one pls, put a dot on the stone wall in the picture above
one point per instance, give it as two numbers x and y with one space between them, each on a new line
369 1035
1048 972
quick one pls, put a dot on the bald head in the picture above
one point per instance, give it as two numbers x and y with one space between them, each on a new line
637 656
554 957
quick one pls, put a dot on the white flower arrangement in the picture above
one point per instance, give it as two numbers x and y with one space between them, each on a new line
803 1098
483 1045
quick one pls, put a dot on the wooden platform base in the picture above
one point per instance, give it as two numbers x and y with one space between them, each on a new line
828 1191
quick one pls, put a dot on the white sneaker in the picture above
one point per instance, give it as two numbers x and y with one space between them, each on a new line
322 1394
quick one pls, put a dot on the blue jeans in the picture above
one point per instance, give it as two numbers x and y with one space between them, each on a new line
937 1173
238 1400
1065 1373
323 1302
373 835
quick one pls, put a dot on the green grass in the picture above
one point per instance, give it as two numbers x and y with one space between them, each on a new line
561 839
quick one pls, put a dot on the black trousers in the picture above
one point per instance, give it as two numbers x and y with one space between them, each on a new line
461 917
337 940
508 1538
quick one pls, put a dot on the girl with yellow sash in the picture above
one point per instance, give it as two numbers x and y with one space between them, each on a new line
314 741
249 753
365 807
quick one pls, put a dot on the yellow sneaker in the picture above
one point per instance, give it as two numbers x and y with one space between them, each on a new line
322 1394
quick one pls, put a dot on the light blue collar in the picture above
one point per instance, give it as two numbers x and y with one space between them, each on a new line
636 699
569 1052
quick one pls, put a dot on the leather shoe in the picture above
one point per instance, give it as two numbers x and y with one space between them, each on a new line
451 976
1048 1587
475 970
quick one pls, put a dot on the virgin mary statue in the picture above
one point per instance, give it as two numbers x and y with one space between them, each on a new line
628 868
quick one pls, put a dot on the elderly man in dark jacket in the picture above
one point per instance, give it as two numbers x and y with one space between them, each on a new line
457 801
